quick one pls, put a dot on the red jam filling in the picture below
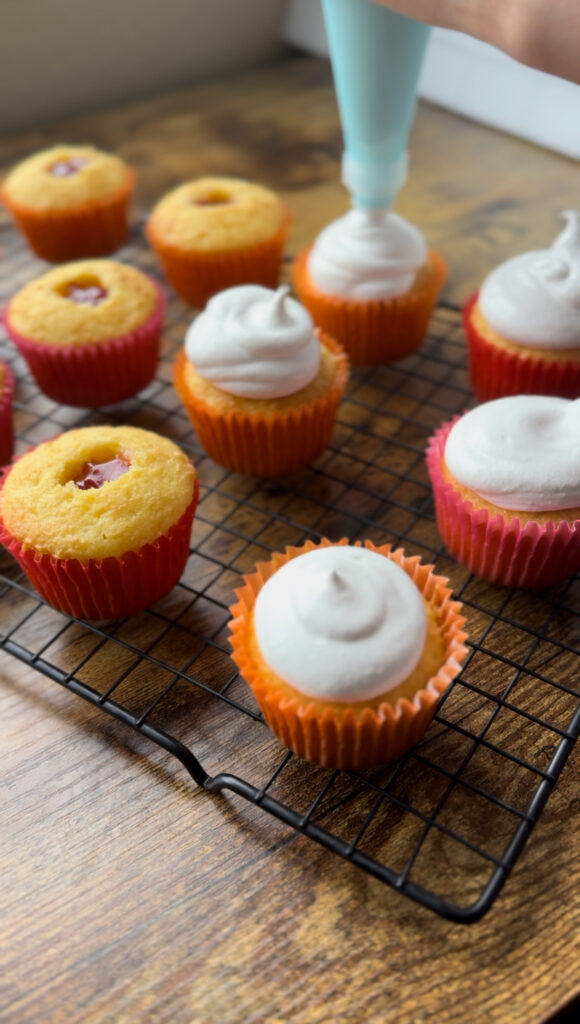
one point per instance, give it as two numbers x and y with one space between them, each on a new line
95 474
86 295
215 198
67 167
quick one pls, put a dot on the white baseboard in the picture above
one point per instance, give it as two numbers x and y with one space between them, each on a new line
473 79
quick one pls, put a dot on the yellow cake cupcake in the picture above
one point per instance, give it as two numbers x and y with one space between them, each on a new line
89 330
347 649
70 201
100 518
214 233
260 385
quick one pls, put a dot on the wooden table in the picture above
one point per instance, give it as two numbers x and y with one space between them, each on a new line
130 895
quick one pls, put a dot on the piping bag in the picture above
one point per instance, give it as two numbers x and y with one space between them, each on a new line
376 57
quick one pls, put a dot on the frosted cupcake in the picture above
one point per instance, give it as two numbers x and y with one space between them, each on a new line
506 481
70 201
89 331
347 649
6 421
523 327
260 384
100 519
370 281
214 233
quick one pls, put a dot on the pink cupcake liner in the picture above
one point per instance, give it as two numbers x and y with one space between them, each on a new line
102 373
6 419
501 548
496 373
108 588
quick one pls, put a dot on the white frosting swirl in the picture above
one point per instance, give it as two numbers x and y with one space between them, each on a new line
254 342
522 452
367 254
534 299
341 623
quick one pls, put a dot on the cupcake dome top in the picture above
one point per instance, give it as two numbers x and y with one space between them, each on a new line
96 492
84 302
65 176
216 214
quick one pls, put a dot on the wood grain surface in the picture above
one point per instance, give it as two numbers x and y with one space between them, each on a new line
130 895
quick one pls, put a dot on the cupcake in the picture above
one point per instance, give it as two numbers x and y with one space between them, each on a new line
215 233
370 281
6 422
347 649
506 481
70 202
260 384
100 518
523 326
89 331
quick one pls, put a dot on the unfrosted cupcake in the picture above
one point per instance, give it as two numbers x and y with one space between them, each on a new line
6 421
506 481
260 385
100 519
523 326
214 233
370 281
347 649
70 201
89 331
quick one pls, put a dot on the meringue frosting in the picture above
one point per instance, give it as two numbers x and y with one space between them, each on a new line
254 342
521 453
534 299
341 623
367 254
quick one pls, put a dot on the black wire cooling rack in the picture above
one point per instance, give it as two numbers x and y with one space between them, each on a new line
444 824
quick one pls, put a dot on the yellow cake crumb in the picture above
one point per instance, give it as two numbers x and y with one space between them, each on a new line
32 183
42 312
44 509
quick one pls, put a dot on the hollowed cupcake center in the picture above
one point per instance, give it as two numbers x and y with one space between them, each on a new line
66 167
86 290
214 197
96 474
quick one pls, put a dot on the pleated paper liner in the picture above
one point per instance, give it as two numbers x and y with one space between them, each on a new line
196 276
496 372
374 331
339 735
501 547
104 589
261 444
6 415
95 228
99 373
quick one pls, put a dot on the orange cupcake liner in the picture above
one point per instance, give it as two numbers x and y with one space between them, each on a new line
500 548
374 331
496 373
101 373
266 445
6 419
103 589
338 735
95 228
196 276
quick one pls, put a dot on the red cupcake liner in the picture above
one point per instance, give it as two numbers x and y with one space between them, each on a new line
99 373
108 588
496 372
500 547
352 737
6 418
372 331
261 444
96 228
196 276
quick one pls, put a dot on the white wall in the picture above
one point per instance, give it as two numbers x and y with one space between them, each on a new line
60 57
